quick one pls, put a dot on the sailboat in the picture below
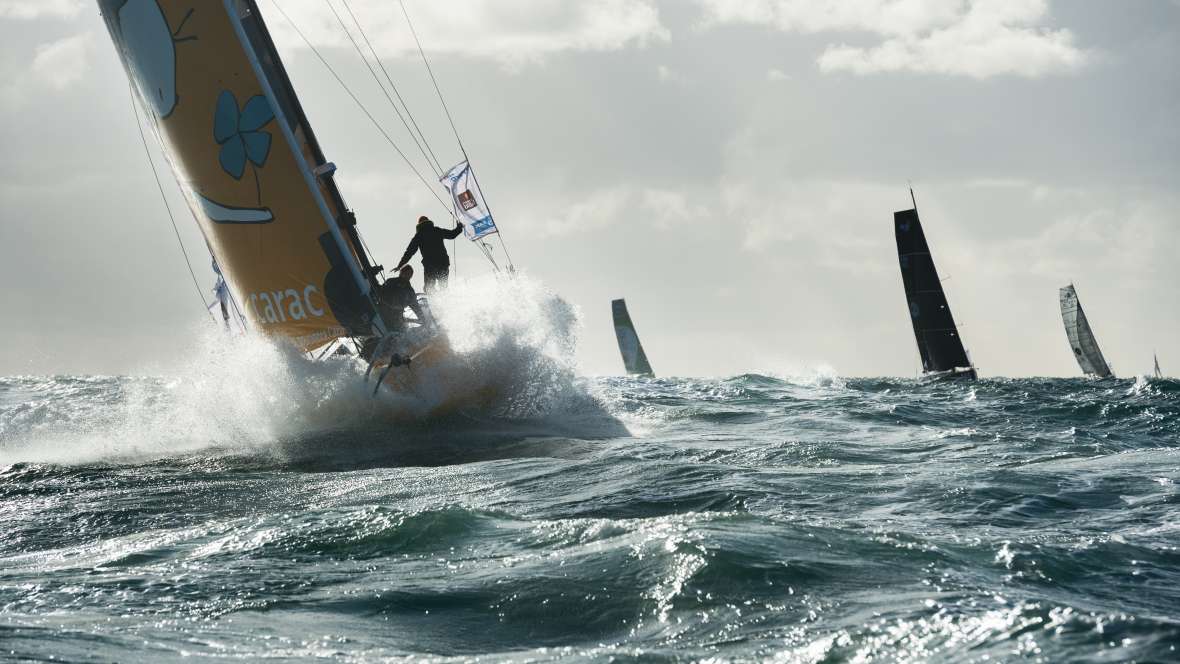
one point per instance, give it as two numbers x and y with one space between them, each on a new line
939 344
1158 374
634 359
1081 337
263 194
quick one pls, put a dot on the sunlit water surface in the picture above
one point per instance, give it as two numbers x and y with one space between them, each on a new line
260 506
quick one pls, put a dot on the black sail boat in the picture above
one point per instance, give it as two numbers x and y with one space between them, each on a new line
939 344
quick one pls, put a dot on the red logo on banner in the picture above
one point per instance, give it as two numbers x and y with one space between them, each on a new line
467 200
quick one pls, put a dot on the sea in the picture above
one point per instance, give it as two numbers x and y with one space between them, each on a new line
254 505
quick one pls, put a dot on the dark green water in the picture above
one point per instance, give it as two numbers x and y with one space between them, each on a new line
747 519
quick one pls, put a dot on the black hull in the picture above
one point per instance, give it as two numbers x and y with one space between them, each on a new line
954 374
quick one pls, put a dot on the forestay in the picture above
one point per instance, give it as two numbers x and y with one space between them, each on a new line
247 161
1081 337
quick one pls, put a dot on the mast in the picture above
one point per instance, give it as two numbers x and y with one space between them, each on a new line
634 359
935 331
276 74
1158 373
1081 336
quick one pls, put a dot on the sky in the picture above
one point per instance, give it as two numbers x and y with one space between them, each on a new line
729 166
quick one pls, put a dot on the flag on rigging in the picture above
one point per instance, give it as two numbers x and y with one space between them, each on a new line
470 207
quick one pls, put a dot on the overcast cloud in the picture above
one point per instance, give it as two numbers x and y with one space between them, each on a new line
729 166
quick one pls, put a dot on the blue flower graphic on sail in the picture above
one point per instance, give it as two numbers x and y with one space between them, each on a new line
242 141
239 132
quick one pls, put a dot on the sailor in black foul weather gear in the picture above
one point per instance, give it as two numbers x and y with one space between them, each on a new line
394 296
436 263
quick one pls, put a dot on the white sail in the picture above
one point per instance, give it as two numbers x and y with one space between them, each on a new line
1158 373
1081 337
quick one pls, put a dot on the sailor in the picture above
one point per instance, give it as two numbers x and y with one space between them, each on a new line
436 263
394 296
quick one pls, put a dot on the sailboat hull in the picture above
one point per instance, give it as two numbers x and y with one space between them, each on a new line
967 373
435 381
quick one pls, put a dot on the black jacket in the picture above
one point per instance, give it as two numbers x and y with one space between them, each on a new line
394 296
429 240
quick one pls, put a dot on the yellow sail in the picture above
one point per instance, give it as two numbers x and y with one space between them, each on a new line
242 150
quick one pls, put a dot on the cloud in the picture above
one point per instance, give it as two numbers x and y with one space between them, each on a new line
665 208
830 221
619 205
62 63
33 9
671 76
512 32
890 17
1122 229
600 209
976 38
55 66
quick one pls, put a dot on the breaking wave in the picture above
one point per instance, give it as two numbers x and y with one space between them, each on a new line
247 395
804 518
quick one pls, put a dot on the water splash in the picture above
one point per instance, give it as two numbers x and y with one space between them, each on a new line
245 394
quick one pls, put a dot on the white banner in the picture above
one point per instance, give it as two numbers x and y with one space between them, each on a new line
468 202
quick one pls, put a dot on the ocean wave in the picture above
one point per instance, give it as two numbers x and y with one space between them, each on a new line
750 518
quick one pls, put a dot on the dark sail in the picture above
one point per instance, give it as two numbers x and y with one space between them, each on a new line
934 326
634 359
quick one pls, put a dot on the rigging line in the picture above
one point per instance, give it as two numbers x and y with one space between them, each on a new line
360 105
487 252
454 129
392 85
433 80
385 92
451 119
504 246
499 234
160 186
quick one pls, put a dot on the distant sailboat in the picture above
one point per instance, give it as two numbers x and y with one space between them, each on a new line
1158 374
634 359
1081 337
942 351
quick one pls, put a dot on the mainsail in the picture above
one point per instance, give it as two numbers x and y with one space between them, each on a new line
634 359
1158 373
250 167
1081 337
934 326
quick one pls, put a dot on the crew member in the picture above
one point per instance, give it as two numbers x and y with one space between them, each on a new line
394 296
436 263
